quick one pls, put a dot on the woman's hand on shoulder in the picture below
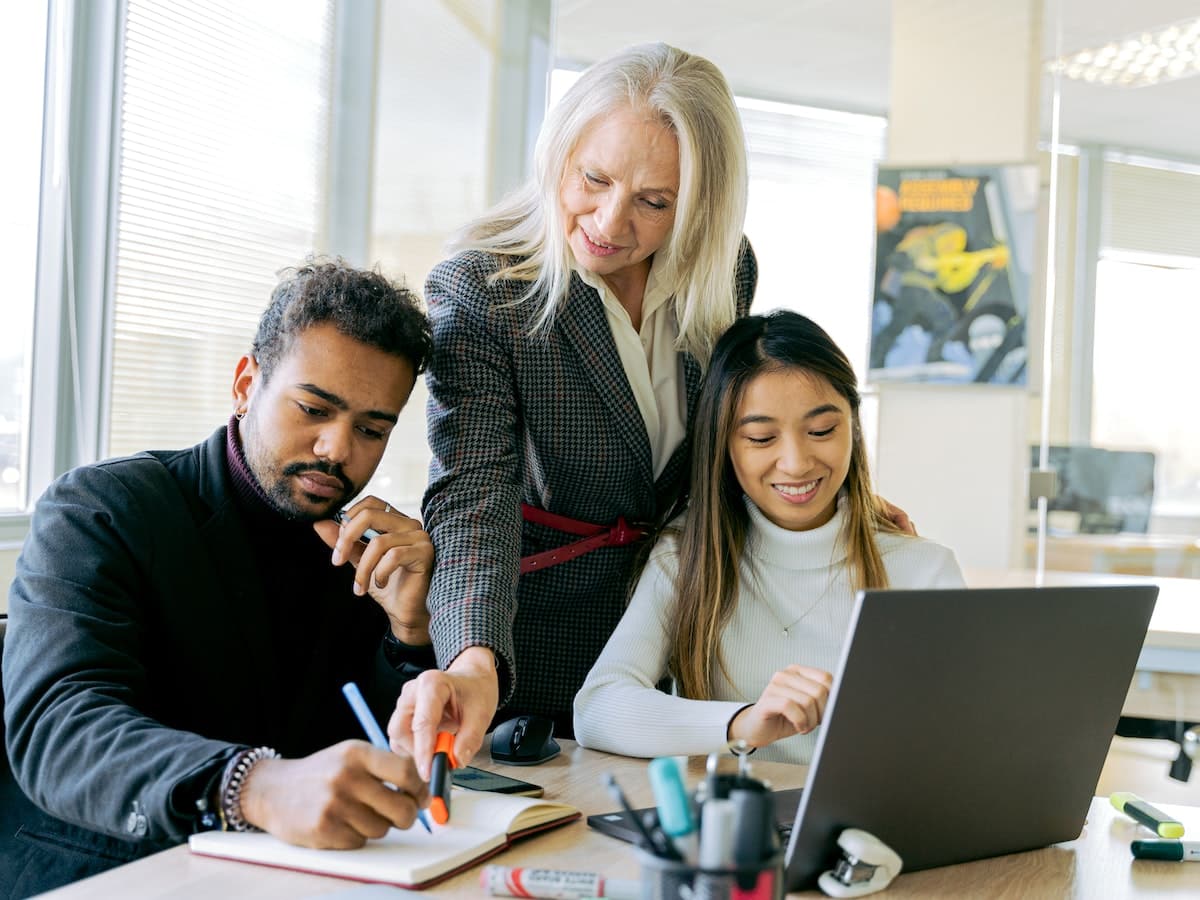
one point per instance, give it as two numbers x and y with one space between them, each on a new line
793 703
898 517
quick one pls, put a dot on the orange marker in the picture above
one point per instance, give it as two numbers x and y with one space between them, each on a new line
439 777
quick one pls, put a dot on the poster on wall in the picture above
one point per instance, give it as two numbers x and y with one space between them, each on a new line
953 254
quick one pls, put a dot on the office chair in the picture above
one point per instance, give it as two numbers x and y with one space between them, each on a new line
1185 734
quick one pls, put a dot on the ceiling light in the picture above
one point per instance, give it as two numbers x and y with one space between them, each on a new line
1137 60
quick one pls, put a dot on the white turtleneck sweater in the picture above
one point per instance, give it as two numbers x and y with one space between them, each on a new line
794 606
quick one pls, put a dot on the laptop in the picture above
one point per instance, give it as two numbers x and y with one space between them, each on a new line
965 724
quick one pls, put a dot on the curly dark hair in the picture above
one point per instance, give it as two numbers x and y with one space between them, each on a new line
359 303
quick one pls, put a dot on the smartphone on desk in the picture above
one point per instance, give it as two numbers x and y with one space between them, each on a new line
474 779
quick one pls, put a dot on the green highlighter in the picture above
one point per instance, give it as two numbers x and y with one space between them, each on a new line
1142 812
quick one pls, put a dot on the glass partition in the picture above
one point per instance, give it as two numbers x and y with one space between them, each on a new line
1120 86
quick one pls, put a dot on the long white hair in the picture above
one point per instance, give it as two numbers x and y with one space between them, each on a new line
699 258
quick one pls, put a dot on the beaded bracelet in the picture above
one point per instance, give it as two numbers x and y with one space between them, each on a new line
229 795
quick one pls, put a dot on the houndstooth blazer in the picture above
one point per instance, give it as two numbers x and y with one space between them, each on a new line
549 420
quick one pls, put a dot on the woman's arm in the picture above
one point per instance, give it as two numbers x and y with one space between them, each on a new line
620 710
472 505
472 513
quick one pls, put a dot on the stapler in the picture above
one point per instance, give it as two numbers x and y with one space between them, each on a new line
867 865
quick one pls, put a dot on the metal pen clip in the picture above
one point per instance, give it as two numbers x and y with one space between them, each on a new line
368 535
742 751
712 778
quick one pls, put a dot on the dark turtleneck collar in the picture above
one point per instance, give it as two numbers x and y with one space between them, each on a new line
249 495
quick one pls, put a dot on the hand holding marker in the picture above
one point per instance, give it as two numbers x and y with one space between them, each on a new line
439 777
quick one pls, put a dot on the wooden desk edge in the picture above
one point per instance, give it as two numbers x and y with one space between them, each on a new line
1097 864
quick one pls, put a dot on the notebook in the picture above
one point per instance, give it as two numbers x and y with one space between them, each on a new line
481 825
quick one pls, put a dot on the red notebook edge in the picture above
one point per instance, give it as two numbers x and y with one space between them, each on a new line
414 886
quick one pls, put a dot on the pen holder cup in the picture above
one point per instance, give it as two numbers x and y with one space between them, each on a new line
665 879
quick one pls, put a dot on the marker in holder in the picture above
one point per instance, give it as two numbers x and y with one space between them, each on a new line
666 879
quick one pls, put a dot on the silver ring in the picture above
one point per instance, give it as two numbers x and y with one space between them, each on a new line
387 507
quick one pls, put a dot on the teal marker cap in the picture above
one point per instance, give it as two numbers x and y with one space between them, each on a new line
671 797
1172 851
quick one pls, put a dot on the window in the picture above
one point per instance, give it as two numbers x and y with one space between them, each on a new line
811 215
225 116
22 63
1147 319
432 153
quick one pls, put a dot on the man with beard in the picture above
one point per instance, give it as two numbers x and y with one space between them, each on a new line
182 621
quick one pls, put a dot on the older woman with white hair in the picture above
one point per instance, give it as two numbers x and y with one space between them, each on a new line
570 331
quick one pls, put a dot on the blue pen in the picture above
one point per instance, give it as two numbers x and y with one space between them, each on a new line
674 810
374 732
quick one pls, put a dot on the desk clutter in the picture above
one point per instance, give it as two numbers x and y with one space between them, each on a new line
719 843
1168 846
722 842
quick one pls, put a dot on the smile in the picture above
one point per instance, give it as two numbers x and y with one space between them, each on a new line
798 493
597 249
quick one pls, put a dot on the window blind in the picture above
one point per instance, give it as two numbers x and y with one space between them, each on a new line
225 115
811 211
1151 210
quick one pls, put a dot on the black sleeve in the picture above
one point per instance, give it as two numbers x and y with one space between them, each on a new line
75 680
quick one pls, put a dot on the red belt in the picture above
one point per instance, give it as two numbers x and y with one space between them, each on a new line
594 537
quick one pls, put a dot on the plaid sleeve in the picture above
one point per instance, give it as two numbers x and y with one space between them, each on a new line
472 504
745 278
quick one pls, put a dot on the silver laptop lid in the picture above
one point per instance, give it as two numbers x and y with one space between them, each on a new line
969 723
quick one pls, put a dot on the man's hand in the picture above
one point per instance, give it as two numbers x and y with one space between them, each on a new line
394 568
793 703
462 699
335 798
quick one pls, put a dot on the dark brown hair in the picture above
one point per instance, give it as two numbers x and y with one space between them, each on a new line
713 537
359 303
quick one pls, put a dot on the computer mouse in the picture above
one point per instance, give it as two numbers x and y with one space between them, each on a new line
524 741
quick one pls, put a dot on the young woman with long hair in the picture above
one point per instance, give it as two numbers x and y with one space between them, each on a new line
745 602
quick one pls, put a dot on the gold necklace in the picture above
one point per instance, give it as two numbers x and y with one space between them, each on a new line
786 629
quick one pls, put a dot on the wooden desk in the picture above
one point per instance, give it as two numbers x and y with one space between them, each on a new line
1131 554
1097 865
